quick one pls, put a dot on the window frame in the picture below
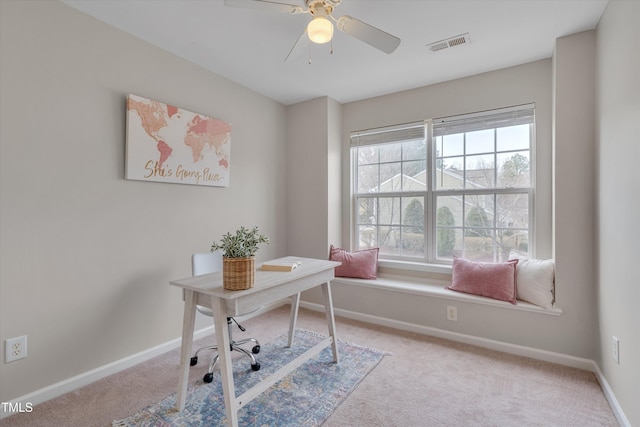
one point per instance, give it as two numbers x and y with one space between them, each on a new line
431 193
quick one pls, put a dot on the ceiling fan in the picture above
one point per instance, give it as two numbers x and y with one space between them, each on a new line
320 28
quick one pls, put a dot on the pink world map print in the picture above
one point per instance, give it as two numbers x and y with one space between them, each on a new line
168 144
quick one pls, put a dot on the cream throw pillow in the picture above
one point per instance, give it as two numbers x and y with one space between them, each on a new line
535 280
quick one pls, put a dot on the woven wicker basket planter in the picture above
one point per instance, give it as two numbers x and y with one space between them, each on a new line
238 273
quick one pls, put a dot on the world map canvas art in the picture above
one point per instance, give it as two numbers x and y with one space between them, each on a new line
169 144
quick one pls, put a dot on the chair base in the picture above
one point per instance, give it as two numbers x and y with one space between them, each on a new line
235 346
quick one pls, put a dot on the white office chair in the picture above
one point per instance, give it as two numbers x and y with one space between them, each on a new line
211 262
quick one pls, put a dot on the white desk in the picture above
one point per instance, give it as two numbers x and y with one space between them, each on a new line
270 286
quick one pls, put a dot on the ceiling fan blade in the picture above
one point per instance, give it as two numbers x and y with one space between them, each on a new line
298 46
265 5
370 35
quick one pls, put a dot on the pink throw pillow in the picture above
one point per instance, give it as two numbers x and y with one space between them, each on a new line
359 264
488 279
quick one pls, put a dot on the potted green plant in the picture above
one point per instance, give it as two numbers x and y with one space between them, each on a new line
238 257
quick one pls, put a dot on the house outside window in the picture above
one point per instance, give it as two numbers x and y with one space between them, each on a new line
462 185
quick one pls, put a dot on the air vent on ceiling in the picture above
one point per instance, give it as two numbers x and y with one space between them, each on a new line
460 40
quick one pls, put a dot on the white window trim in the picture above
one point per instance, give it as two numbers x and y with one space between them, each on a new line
374 135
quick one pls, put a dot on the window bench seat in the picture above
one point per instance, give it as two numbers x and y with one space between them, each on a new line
436 289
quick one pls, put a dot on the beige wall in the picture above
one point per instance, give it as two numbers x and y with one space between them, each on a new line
618 188
313 169
86 256
574 177
502 88
512 86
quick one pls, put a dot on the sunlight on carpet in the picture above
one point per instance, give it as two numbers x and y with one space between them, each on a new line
306 397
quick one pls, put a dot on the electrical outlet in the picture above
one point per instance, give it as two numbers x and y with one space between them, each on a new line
616 350
15 349
452 313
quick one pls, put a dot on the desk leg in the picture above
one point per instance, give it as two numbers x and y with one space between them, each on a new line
328 309
224 351
187 340
293 317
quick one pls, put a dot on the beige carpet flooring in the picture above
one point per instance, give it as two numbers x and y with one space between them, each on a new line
425 381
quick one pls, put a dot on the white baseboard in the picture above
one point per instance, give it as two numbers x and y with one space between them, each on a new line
70 384
73 383
548 356
611 398
534 353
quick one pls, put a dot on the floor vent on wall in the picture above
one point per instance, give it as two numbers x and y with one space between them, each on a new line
441 45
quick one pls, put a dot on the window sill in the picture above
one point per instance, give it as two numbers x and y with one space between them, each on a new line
436 288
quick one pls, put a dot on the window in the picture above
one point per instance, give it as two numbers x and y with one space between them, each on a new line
460 186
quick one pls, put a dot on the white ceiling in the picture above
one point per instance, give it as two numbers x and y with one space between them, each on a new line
249 46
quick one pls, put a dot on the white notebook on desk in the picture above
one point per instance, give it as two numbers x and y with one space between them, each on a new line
281 265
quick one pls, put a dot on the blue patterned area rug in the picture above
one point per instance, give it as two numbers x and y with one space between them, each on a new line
306 397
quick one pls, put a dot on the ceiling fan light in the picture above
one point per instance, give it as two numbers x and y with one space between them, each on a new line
320 30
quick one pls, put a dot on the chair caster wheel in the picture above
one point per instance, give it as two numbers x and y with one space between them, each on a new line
207 378
194 361
255 349
255 367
